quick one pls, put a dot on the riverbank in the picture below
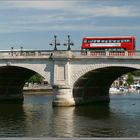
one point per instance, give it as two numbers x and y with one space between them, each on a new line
37 93
37 90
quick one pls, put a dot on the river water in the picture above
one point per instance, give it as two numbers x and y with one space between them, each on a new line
37 118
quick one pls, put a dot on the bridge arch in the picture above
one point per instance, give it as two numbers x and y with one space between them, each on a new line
79 72
43 69
94 84
12 80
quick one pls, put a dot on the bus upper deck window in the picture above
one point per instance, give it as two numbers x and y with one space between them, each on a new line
118 41
85 41
114 41
128 40
102 41
94 41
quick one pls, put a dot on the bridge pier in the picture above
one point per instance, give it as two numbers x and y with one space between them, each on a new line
63 96
61 80
11 93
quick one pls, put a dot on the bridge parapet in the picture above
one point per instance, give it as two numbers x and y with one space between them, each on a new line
62 54
68 54
105 54
26 53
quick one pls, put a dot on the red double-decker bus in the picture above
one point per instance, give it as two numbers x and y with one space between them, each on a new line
119 43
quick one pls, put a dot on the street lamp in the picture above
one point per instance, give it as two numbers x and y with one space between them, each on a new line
69 43
12 50
55 43
21 50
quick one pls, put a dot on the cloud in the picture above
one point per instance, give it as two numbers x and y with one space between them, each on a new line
35 4
62 15
83 8
109 11
65 27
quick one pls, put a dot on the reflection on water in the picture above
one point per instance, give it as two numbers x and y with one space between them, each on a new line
94 111
12 120
37 118
63 121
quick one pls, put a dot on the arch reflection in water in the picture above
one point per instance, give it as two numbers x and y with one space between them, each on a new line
38 111
12 120
82 121
94 111
92 120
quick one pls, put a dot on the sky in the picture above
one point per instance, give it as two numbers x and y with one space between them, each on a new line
33 24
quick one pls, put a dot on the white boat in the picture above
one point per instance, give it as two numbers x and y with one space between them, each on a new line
123 89
114 90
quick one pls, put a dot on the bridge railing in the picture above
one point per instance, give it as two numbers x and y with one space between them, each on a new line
99 53
25 53
65 53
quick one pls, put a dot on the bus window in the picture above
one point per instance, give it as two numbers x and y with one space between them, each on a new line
128 40
118 41
102 41
85 41
89 41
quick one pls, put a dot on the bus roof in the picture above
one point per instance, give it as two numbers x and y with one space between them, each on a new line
107 37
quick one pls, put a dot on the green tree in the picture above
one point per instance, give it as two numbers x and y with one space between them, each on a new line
136 73
130 79
36 79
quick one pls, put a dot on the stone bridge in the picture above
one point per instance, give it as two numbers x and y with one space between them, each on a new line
76 78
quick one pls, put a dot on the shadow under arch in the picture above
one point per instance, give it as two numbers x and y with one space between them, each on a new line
94 85
12 80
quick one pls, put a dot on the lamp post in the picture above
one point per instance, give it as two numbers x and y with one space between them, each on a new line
21 50
12 50
55 43
69 43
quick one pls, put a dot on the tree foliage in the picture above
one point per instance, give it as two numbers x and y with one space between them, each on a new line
130 79
136 73
131 76
36 79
